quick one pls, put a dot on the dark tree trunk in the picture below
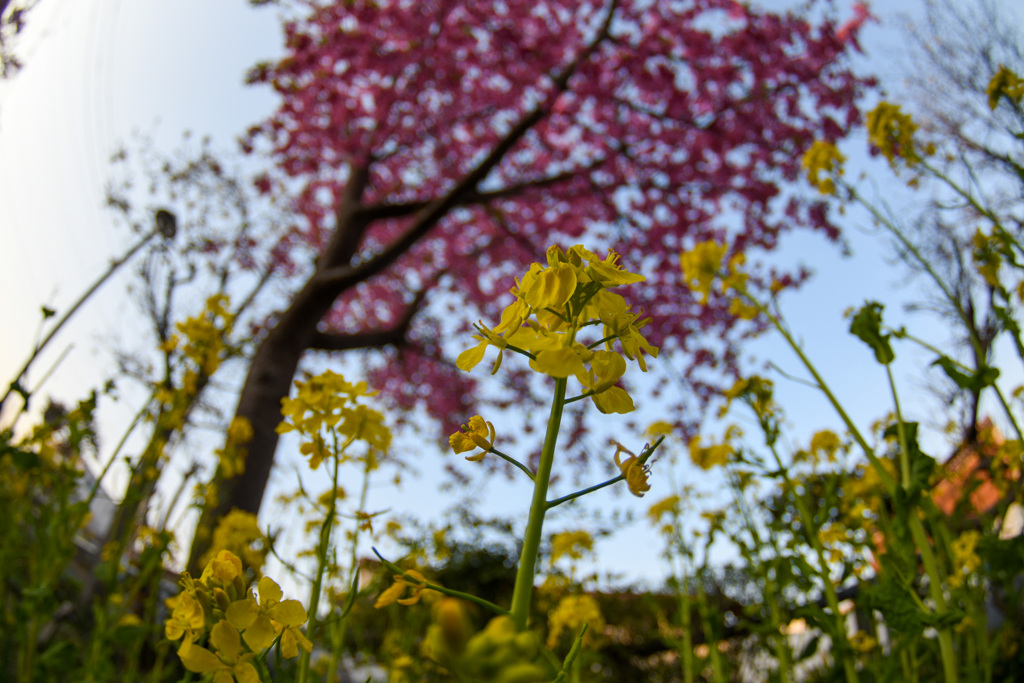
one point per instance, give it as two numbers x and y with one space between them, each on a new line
273 368
277 358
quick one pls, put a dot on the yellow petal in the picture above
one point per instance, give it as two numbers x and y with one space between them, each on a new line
613 400
389 595
513 316
552 287
289 648
477 425
609 274
461 443
245 673
241 613
607 367
199 660
270 592
558 363
469 358
288 612
225 639
260 635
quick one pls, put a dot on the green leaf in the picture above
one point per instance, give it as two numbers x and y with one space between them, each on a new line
867 326
48 312
922 465
24 460
985 376
897 605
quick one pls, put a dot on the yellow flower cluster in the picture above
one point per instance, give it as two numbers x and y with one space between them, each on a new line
987 256
833 538
703 264
239 532
205 334
571 544
327 404
497 654
237 626
569 616
1005 83
206 347
666 507
553 303
892 133
714 455
756 392
965 559
232 455
823 163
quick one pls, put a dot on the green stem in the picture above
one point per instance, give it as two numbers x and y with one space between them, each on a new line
582 492
686 618
523 591
338 627
905 473
512 461
924 547
644 456
883 474
831 597
321 556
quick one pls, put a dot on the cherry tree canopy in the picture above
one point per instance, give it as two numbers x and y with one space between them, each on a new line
435 148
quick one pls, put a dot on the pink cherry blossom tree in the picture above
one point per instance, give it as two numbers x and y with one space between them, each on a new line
435 148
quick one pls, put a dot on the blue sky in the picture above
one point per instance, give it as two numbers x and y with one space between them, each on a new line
99 72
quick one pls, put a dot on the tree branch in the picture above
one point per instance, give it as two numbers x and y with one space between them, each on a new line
384 210
324 341
342 277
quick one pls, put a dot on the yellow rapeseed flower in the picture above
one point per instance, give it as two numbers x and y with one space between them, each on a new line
701 265
823 163
554 302
665 506
230 664
261 622
708 457
1004 83
571 544
636 474
416 581
569 616
477 434
892 133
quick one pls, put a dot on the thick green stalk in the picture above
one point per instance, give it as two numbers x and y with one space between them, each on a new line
523 592
710 636
339 627
686 621
949 667
321 560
